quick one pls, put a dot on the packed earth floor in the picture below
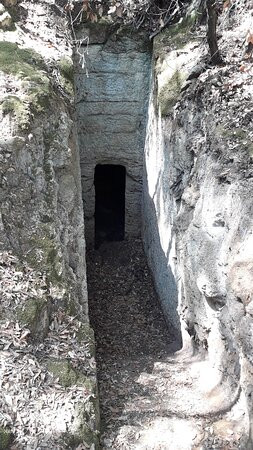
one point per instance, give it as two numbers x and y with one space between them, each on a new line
147 398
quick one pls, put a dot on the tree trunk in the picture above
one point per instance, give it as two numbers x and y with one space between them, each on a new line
211 31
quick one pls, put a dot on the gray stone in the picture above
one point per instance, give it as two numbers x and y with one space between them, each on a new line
111 116
41 220
110 87
197 222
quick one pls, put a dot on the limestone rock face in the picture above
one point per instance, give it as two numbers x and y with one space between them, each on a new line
198 206
41 208
42 246
112 99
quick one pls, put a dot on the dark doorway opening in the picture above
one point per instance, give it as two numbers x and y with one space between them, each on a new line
110 184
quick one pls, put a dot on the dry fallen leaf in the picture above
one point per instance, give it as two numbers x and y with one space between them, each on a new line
227 4
249 38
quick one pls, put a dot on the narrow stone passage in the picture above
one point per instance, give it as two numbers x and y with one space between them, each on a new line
150 397
131 336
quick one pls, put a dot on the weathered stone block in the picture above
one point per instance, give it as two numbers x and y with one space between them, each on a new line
109 87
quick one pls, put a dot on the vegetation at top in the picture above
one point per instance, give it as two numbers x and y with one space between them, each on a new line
29 67
153 15
150 14
24 63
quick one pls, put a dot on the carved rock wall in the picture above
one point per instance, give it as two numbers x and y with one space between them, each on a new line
111 97
42 245
197 206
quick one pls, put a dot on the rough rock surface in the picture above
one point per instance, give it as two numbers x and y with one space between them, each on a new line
112 98
43 281
150 397
197 229
198 201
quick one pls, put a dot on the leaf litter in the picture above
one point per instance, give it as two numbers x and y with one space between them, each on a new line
34 406
147 395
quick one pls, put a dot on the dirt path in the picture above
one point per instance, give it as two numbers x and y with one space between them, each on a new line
146 394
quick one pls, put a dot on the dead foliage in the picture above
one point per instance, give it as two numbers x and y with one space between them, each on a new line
152 15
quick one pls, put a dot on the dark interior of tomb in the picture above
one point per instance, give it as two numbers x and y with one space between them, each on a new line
110 183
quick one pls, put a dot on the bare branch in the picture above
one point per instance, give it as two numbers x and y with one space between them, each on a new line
211 8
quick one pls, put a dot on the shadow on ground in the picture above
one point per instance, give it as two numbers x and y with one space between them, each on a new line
132 337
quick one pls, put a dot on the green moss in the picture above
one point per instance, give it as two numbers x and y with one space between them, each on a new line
68 376
173 38
13 105
15 15
5 438
237 134
176 36
38 93
67 74
63 370
27 65
86 334
87 422
72 307
30 314
24 63
83 435
36 101
169 93
45 254
66 68
87 418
